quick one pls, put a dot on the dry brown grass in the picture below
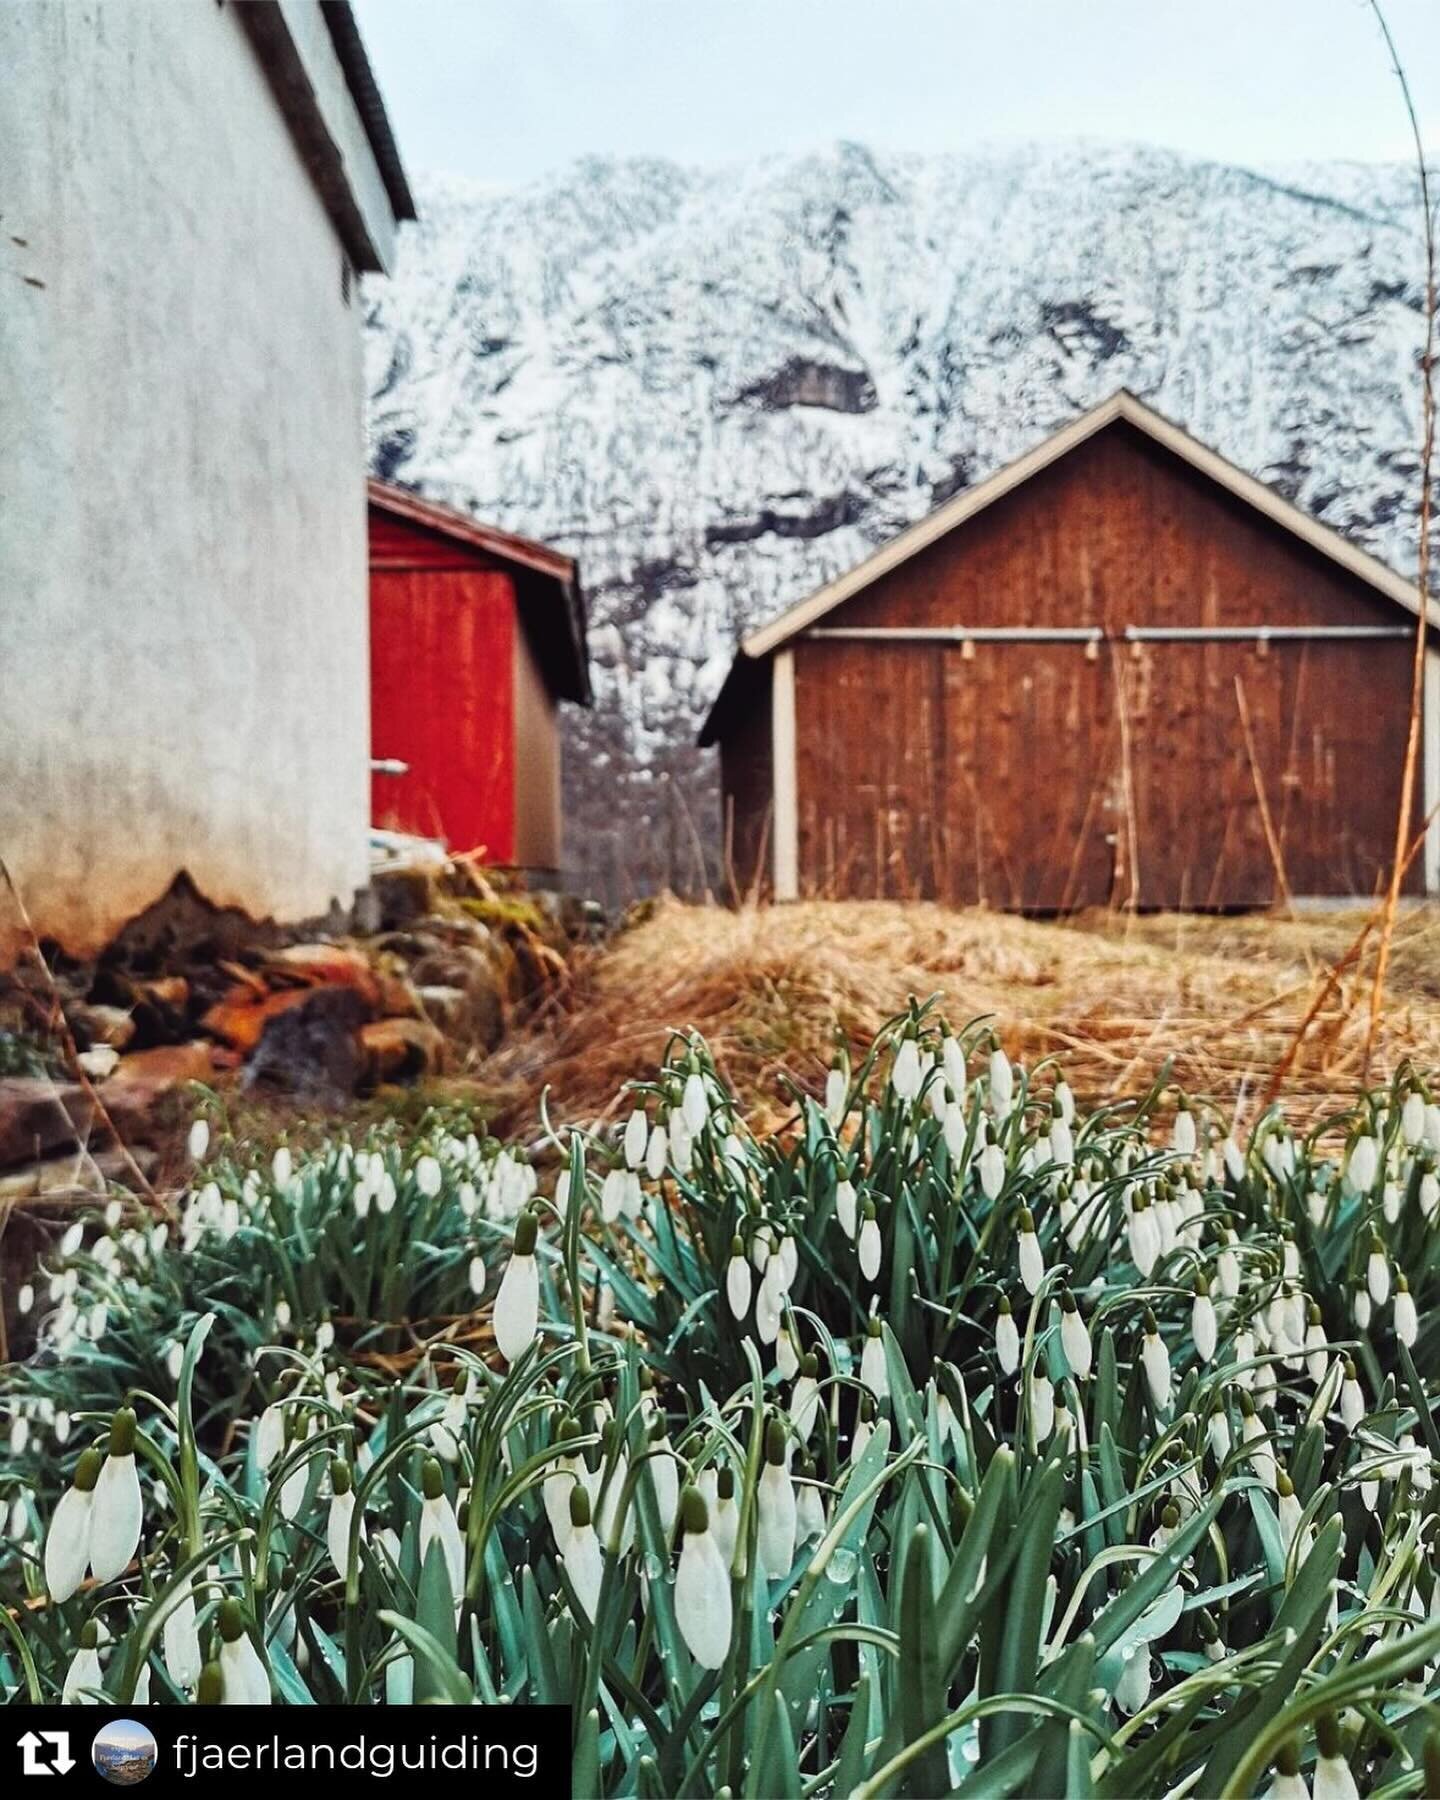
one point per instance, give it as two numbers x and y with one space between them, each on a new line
769 987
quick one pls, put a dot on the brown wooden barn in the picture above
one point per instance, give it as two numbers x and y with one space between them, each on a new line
1118 671
476 636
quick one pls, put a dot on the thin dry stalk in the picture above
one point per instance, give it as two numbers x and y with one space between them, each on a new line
1417 680
1272 843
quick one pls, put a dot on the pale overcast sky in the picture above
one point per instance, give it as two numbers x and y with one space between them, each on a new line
504 90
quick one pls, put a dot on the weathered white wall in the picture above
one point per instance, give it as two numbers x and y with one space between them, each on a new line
537 764
183 568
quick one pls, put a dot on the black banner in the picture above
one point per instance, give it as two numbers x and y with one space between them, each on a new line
175 1749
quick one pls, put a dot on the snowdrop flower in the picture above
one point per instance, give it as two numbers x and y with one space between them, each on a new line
787 1357
702 1586
1289 1783
342 1513
1065 1101
1062 1143
385 1193
810 1519
695 1103
1202 1320
555 1490
1234 1159
1074 1338
1007 1338
1252 1432
1429 1196
864 1427
581 1554
1032 1263
117 1512
906 1074
1363 1163
725 1519
1227 1266
657 1152
636 1139
992 1166
1133 1688
1289 1510
1210 1637
665 1479
429 1177
1390 1198
476 1276
67 1542
837 1091
25 1299
873 1370
282 1166
1182 1133
1316 1361
83 1681
1144 1234
869 1245
244 1681
954 1129
324 1336
1001 1082
1333 1780
1156 1360
1217 1430
438 1526
612 1195
1042 1408
1352 1398
1407 1325
180 1642
805 1397
845 1207
199 1140
517 1304
174 1358
282 1315
775 1507
1377 1273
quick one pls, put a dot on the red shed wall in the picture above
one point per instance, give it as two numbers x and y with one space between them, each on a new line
442 687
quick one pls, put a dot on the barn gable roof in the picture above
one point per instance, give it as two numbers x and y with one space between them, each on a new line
550 600
1121 406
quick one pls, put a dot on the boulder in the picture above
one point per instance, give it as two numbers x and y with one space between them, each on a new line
401 1050
310 1051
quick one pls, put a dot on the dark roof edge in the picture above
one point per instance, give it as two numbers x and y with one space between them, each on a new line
734 693
350 48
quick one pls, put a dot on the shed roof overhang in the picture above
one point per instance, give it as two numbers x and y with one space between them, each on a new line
1122 405
550 599
317 69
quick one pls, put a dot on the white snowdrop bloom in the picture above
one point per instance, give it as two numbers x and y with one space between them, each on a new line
1227 1266
767 1314
18 1525
1001 1081
695 1103
992 1170
1333 1780
725 1517
1429 1196
738 1280
83 1678
581 1554
429 1176
1042 1408
1352 1398
1133 1688
1182 1132
1074 1337
657 1153
636 1139
612 1196
906 1074
1288 1509
869 1244
25 1299
632 1196
282 1166
1065 1100
760 1247
72 1239
517 1304
1265 1384
937 1099
616 1530
775 1507
60 1427
1156 1360
67 1542
1252 1432
1062 1142
1363 1163
269 1435
243 1679
1289 1784
789 1259
682 1149
555 1490
386 1193
1407 1324
1377 1273
837 1092
810 1518
1007 1339
105 1251
340 1518
845 1207
864 1431
1316 1360
1412 1118
438 1526
1234 1159
787 1357
1032 1262
952 1060
954 1128
874 1373
117 1513
1217 1431
199 1140
180 1642
324 1336
475 1276
664 1471
1391 1196
1144 1235
1202 1321
702 1586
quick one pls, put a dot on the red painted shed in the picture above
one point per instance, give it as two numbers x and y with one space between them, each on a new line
476 636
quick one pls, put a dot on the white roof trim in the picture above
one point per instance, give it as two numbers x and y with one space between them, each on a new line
1120 405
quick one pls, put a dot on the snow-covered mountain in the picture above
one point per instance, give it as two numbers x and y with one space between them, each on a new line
722 387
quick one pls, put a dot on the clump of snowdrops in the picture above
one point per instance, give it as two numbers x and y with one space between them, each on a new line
953 1438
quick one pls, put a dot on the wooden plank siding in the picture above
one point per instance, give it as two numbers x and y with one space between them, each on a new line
1044 775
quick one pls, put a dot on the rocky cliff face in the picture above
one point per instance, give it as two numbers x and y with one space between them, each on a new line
720 388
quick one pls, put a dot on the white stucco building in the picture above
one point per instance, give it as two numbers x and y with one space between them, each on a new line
191 189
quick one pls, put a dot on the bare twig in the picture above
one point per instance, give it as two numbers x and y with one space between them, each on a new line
1417 681
1272 843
